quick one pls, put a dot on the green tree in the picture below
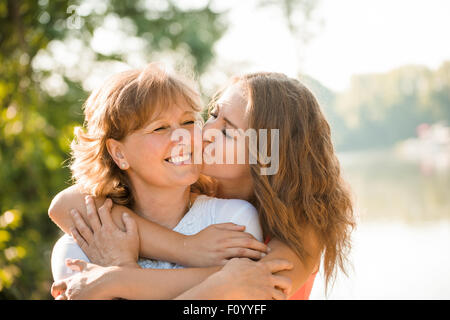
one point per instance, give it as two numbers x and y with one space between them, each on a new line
52 53
47 50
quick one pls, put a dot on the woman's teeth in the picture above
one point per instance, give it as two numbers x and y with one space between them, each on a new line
179 159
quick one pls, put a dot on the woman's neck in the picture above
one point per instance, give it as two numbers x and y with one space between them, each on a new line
235 189
165 206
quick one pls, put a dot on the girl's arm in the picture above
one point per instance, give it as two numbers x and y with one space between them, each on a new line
301 270
164 243
206 248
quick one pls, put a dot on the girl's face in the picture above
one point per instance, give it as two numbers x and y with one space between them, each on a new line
149 150
228 113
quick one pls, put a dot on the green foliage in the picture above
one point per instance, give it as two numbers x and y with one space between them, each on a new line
37 118
48 51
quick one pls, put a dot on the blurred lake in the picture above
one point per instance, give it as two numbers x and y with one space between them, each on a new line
401 247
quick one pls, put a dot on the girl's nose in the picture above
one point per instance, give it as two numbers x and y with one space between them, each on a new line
205 144
208 138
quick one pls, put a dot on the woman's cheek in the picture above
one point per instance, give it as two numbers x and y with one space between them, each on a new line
157 147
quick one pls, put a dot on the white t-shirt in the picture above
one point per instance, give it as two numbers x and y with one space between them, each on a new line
204 212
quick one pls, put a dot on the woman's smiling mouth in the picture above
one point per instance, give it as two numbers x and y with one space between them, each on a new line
179 160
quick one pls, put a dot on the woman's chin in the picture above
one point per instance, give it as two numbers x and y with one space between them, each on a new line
188 177
208 170
216 171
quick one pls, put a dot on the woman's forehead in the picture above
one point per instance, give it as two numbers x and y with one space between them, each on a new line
177 108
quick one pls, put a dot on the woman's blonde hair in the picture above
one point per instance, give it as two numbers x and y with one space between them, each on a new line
307 193
123 104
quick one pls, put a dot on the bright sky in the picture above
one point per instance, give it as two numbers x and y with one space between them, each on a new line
357 36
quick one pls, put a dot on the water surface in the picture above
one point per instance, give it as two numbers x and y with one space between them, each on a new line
401 247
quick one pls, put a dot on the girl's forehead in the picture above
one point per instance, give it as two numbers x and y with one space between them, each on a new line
233 96
233 105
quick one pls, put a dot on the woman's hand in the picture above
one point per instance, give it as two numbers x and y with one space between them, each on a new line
104 243
244 279
216 244
90 283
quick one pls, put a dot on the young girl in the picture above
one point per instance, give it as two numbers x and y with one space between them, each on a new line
305 209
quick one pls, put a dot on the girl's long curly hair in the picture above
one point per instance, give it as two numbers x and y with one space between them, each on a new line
308 192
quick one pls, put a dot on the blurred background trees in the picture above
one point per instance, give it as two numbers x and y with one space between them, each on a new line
53 53
380 110
47 49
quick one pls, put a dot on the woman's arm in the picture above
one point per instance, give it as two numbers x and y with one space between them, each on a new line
205 248
238 279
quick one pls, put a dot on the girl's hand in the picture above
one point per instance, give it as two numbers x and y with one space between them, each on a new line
105 244
216 244
91 282
244 279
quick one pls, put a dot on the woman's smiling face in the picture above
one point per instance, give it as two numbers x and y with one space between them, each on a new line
149 150
227 114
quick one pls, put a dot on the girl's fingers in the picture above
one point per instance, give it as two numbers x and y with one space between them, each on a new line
76 264
277 265
57 288
230 226
243 253
282 283
247 242
92 215
278 295
223 262
81 226
61 297
105 213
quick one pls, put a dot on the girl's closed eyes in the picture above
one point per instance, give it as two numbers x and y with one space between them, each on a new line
214 113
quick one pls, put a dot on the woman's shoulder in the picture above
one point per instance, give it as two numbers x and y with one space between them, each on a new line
236 211
227 210
225 204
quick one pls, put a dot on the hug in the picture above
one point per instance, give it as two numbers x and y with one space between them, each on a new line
143 221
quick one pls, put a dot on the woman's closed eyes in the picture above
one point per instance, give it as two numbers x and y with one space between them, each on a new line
185 123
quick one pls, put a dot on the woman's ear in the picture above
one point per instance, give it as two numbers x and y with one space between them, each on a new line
115 151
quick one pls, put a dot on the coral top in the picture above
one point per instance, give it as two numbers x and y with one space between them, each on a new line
304 291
